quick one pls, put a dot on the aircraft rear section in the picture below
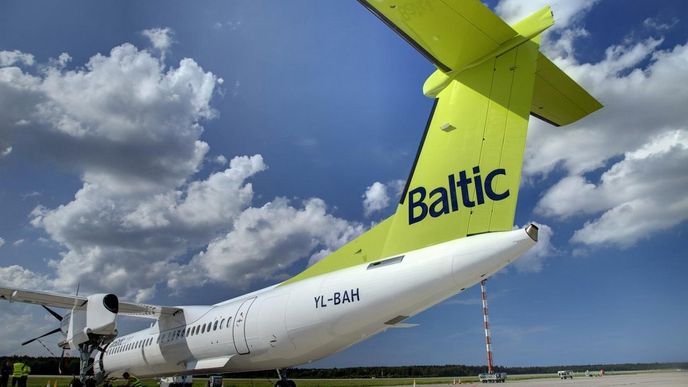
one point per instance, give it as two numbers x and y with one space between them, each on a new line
297 324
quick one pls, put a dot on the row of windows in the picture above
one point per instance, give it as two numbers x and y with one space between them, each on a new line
170 336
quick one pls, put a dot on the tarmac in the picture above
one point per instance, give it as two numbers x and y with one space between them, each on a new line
653 379
663 379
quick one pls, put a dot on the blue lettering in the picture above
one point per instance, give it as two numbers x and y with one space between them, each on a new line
480 198
337 298
345 297
452 193
463 184
443 200
489 191
413 203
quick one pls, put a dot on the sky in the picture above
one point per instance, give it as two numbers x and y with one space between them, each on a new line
178 153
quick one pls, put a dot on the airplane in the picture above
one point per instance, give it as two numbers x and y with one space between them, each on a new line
453 226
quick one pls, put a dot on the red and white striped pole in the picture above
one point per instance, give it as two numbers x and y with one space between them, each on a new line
488 340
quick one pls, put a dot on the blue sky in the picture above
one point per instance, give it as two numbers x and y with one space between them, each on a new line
176 153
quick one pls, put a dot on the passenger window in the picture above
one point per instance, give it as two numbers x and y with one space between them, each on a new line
203 328
222 323
215 326
228 320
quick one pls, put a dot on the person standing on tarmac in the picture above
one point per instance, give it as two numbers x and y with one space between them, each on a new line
132 381
25 372
17 373
5 373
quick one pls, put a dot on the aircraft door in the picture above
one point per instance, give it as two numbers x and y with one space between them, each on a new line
239 327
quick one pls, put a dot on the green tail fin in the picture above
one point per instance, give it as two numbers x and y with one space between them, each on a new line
466 176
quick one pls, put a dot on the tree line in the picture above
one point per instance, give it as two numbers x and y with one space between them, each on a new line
70 366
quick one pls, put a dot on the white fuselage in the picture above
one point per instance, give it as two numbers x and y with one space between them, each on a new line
286 325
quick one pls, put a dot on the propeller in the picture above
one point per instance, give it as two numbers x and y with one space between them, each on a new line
41 336
55 314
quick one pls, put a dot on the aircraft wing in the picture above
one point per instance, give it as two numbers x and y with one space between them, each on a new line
68 302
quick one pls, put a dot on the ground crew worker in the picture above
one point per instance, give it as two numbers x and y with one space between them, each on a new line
5 373
17 373
26 370
132 381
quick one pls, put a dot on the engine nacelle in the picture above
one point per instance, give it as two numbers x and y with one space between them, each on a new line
94 323
101 314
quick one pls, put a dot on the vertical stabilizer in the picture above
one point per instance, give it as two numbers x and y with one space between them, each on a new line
490 78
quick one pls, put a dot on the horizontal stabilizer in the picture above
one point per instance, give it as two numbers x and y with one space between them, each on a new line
557 98
452 34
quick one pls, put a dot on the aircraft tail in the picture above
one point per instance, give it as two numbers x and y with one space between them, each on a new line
490 78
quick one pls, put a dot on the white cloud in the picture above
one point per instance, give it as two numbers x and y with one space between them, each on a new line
533 261
378 196
230 25
160 38
16 57
375 198
220 160
638 196
120 120
131 129
659 25
2 241
60 62
126 242
17 276
264 242
565 13
5 151
18 242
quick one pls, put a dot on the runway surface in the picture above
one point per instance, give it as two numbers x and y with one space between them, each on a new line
668 379
653 379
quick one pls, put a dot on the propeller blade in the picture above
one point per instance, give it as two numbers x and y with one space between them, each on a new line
41 336
55 314
59 365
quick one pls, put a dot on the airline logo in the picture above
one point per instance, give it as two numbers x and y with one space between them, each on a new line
444 200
